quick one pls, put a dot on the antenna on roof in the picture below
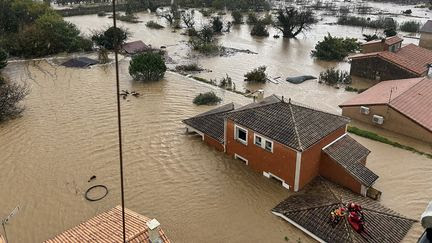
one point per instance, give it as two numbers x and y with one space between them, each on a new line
283 99
119 123
289 100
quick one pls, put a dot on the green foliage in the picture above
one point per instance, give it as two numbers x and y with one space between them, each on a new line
154 25
111 38
252 18
15 14
3 58
147 67
237 17
334 48
260 29
376 137
10 96
258 75
390 32
103 55
227 83
130 18
292 21
217 24
204 41
209 98
370 37
267 19
410 26
242 5
332 76
49 35
101 14
193 67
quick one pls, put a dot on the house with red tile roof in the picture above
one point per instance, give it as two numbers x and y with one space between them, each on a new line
287 141
107 227
389 60
403 106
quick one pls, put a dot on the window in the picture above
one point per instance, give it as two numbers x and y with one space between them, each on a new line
269 146
241 134
258 140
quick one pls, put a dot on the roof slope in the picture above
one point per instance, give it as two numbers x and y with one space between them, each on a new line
80 62
427 27
311 210
135 47
411 97
107 227
290 124
349 154
389 41
211 122
411 57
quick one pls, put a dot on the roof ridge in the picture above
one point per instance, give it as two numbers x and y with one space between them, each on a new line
315 109
295 127
314 207
418 83
255 107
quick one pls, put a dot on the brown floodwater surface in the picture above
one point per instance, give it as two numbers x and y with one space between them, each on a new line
68 133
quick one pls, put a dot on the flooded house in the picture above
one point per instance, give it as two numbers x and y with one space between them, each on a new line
135 47
107 227
403 106
311 210
426 35
286 141
387 59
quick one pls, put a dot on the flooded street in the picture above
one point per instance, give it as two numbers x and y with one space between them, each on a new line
68 133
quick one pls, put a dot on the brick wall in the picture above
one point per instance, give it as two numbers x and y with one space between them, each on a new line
310 162
334 172
213 143
281 162
374 47
373 67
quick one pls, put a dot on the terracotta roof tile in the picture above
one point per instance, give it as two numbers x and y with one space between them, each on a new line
311 208
349 154
293 125
411 97
107 227
389 41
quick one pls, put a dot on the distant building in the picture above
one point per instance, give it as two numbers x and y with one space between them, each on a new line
107 227
310 212
402 106
388 59
80 62
135 47
426 35
286 141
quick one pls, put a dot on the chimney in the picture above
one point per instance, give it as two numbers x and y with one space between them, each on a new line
153 231
259 94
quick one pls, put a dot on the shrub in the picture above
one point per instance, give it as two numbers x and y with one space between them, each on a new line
130 18
257 75
334 48
193 67
10 96
227 83
370 37
390 32
101 14
332 76
217 24
204 41
3 58
154 25
147 67
111 38
380 23
267 19
209 98
259 29
252 18
237 17
410 26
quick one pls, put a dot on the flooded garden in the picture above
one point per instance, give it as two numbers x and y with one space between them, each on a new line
68 133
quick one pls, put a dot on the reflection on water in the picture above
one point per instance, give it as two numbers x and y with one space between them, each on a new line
68 133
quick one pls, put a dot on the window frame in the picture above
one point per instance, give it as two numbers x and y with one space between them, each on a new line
265 145
255 140
264 140
236 135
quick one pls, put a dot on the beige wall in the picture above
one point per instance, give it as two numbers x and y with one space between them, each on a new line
426 41
393 121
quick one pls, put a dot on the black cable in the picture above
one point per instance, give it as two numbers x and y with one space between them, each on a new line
119 122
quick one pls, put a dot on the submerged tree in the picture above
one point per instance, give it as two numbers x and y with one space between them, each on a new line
110 39
173 15
292 22
147 67
370 37
10 96
260 29
3 58
334 48
217 24
237 17
188 19
209 98
257 75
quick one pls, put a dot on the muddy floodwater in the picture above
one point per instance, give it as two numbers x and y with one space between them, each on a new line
68 133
